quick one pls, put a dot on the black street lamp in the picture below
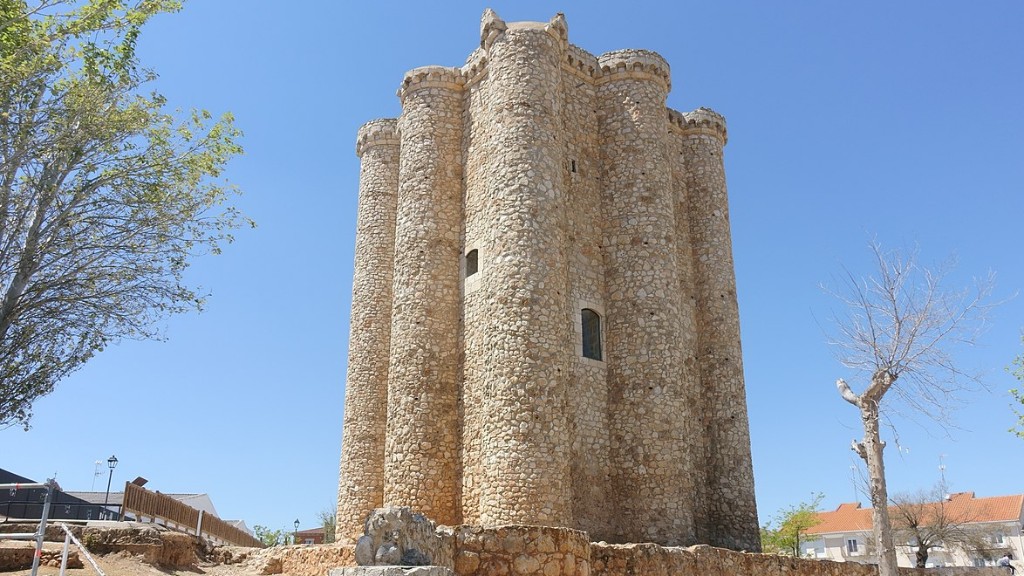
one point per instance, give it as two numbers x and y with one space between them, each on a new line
295 535
111 463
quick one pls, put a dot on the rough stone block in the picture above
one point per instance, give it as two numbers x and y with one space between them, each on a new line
398 536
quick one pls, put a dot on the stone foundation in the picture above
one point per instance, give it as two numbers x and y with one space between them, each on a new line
302 560
654 560
20 557
158 547
521 550
548 551
391 571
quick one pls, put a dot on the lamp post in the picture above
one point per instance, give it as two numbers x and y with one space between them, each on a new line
111 463
295 535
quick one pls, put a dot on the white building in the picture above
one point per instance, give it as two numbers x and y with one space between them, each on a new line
844 534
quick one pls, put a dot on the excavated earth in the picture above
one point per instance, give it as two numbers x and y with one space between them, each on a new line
131 549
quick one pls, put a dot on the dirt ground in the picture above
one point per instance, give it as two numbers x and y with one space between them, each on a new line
126 564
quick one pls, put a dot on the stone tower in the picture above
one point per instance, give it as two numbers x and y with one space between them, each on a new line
544 319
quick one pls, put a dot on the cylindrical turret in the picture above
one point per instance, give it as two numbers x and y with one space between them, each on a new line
689 377
517 317
361 485
421 469
730 515
650 406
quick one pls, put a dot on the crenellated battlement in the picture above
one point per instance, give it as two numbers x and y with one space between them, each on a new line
559 28
431 77
577 61
491 27
627 63
475 66
556 28
699 121
581 63
382 131
631 63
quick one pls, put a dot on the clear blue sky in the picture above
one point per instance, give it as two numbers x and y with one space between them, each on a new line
902 121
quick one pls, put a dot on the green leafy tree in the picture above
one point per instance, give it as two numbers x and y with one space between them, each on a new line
1017 369
105 196
329 520
788 530
897 333
271 537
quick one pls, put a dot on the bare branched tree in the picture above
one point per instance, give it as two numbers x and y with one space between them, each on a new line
900 328
1017 370
929 519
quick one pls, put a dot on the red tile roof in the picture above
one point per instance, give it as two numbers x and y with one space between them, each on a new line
850 517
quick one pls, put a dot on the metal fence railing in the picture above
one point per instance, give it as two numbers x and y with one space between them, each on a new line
50 486
58 510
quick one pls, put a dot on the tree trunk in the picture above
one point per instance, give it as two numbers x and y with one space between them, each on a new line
872 454
922 556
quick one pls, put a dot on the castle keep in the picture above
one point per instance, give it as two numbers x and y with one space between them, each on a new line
544 318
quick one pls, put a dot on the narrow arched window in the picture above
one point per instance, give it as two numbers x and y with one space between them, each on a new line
472 263
591 334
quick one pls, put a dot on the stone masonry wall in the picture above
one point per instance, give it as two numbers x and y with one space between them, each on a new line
477 198
547 551
20 558
521 551
587 386
654 560
301 560
533 183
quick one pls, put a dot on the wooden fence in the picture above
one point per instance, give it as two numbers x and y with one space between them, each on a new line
144 503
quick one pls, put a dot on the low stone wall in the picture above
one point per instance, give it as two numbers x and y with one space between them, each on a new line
521 551
963 571
54 533
315 560
545 551
391 571
20 558
156 545
159 547
500 551
230 554
654 560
